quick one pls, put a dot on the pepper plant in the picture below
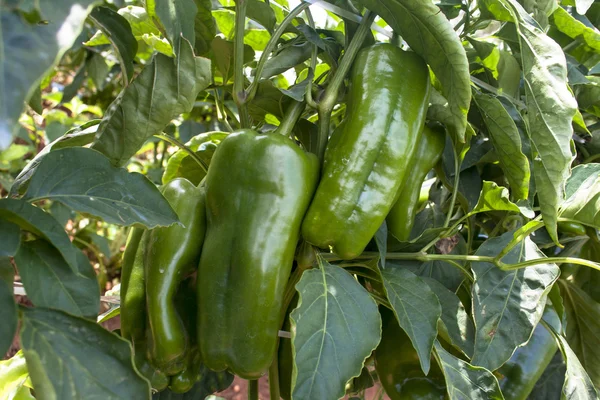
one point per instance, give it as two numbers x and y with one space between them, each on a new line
399 195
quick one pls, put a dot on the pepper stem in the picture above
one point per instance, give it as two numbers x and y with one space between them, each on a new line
331 93
253 389
294 112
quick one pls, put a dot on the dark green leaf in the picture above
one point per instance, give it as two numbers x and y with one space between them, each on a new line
507 305
288 57
416 307
11 239
507 143
335 328
222 56
164 89
118 31
71 358
72 88
49 282
178 19
381 242
205 28
582 192
578 385
431 35
84 180
97 70
35 100
32 50
465 381
8 308
549 386
43 225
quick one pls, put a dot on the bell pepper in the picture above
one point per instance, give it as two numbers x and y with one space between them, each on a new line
429 150
369 154
158 380
258 188
397 365
172 253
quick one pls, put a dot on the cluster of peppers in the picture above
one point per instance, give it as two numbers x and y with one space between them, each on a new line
242 224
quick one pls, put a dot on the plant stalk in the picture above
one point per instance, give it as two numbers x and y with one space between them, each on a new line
239 93
293 113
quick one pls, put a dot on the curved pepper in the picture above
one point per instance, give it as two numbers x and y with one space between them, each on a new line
133 290
369 154
171 254
401 218
258 188
157 379
527 364
571 228
398 367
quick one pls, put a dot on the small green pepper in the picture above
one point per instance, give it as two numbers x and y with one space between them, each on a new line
133 290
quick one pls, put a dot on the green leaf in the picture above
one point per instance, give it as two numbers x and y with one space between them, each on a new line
578 385
223 57
78 136
11 239
33 49
573 28
50 282
118 31
36 221
178 19
465 381
157 43
456 326
225 20
335 328
509 74
550 108
205 27
507 305
582 192
139 21
288 57
84 180
257 38
550 384
164 89
432 36
13 377
507 143
182 165
97 70
73 358
496 198
583 328
416 307
210 382
8 309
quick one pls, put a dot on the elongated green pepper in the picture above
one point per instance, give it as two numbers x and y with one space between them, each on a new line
401 218
133 290
258 188
369 154
172 253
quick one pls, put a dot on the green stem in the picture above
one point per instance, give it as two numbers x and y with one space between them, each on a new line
519 236
270 47
239 94
555 260
274 379
183 147
253 389
294 112
221 113
331 93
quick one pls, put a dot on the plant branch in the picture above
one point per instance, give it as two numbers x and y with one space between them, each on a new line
293 113
331 93
253 389
183 147
239 93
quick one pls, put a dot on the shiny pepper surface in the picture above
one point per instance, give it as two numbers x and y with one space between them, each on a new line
401 218
258 188
133 290
369 154
172 253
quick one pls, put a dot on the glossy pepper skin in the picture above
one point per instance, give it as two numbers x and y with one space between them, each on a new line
157 379
527 364
571 228
258 188
429 150
369 154
397 365
172 253
133 290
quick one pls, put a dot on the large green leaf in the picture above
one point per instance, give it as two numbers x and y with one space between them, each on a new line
71 358
416 307
287 57
456 326
575 29
465 381
29 50
583 327
583 193
118 31
8 308
49 282
507 143
85 181
550 107
507 305
205 28
432 36
578 385
335 328
11 238
41 224
550 384
164 89
178 19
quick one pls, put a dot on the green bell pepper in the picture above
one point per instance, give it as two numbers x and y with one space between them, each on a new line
369 154
258 188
